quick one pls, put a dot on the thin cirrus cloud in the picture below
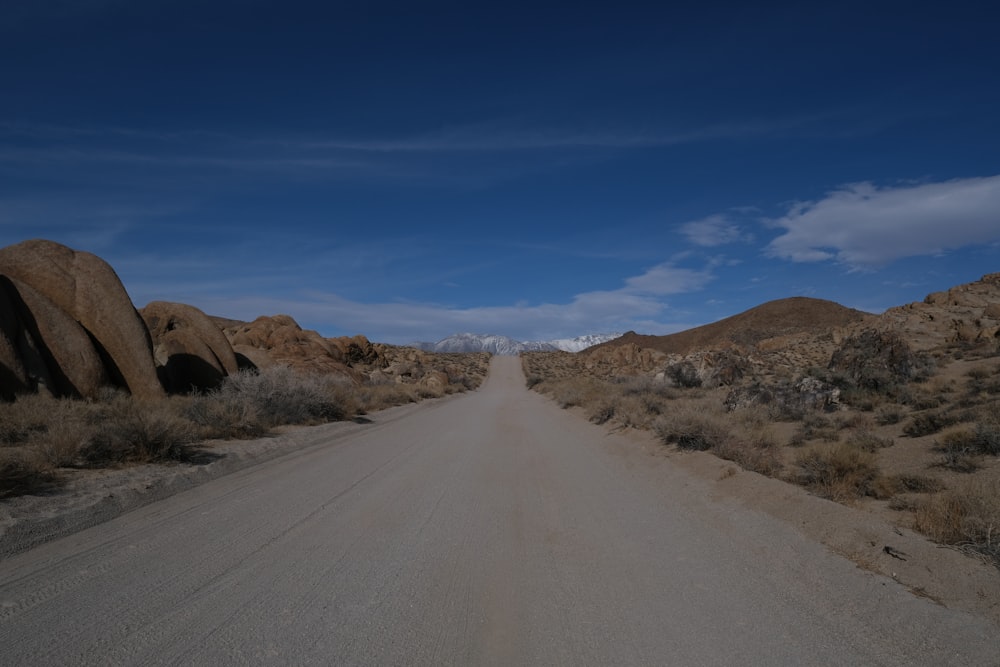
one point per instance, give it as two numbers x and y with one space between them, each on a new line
863 225
715 230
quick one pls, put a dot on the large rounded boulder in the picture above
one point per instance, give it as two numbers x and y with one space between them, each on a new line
63 297
190 351
45 349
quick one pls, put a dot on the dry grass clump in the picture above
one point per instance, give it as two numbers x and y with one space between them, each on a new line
31 417
550 365
52 430
983 380
603 411
843 472
691 429
758 451
126 430
226 416
889 486
928 423
249 404
868 440
575 392
283 396
815 426
966 516
22 474
987 432
380 396
959 451
753 448
889 414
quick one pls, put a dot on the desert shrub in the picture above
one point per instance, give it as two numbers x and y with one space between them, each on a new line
571 393
869 440
888 486
840 473
602 412
282 396
249 404
927 423
919 483
59 446
978 373
689 429
637 411
377 397
533 380
53 428
752 417
880 361
861 398
854 420
815 426
642 385
226 416
127 430
958 451
889 414
683 374
25 417
23 474
653 405
967 515
983 380
922 400
424 391
758 451
903 504
987 431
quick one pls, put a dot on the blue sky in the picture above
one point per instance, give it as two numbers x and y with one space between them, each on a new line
411 170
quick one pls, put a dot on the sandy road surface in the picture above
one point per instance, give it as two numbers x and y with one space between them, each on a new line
489 529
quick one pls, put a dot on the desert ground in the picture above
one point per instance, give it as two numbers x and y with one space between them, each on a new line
493 527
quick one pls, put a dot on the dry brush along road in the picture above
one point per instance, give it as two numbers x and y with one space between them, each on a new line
491 528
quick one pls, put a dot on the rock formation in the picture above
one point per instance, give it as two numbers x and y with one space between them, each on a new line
967 313
70 324
279 339
189 349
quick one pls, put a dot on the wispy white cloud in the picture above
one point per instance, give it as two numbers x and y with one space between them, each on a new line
715 230
665 279
864 225
83 155
489 136
638 304
500 136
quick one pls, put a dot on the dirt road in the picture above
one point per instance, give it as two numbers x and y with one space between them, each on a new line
488 529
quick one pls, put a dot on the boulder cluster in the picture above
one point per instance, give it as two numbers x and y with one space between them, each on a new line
69 328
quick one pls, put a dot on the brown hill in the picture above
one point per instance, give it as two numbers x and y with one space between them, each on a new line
784 317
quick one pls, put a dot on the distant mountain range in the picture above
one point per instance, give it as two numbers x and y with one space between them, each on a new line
502 345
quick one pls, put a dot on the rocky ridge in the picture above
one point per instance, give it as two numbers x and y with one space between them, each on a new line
968 314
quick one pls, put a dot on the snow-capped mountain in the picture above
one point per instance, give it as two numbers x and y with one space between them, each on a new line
502 345
581 342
